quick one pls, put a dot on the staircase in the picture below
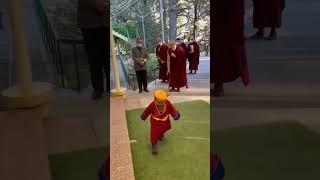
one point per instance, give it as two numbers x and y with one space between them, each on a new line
57 55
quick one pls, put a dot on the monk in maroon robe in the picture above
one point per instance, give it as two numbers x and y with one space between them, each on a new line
227 33
267 13
161 52
180 42
193 55
177 66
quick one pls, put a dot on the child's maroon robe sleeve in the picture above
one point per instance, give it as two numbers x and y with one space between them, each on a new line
174 113
147 111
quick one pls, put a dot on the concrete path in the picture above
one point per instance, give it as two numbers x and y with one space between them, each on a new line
24 149
199 89
76 122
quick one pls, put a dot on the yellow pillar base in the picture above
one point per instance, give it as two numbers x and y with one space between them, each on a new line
12 98
118 92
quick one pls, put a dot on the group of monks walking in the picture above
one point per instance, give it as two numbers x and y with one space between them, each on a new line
173 59
227 35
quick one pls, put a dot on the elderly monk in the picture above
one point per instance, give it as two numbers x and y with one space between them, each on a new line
229 57
161 52
177 67
193 55
180 42
267 14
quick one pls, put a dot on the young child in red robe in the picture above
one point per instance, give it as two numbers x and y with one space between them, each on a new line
159 109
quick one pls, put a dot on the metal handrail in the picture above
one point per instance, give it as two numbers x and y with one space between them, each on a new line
123 68
122 29
74 43
53 45
134 80
50 40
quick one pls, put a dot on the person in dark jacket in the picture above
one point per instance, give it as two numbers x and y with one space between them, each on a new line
140 57
92 19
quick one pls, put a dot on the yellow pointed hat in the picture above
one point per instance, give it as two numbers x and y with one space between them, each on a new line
161 95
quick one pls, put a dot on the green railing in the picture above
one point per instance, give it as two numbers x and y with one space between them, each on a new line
123 30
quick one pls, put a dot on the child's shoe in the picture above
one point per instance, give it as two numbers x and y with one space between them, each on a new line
154 149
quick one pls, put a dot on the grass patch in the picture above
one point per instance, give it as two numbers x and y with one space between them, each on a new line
78 165
179 157
280 150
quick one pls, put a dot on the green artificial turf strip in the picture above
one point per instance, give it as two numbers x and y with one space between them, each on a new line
78 165
280 150
179 157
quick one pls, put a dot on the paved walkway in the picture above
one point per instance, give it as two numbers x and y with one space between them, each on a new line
76 122
23 151
199 89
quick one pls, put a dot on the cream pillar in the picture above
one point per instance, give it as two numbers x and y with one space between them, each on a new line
25 94
19 41
117 91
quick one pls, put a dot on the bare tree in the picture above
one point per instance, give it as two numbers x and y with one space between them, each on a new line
172 19
195 17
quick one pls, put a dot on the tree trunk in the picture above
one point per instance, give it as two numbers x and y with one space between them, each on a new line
165 20
195 18
172 19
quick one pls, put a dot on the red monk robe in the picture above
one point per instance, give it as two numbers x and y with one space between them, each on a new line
185 49
160 122
229 57
161 52
178 76
193 56
267 13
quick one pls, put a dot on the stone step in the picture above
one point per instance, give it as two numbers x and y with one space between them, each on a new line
239 117
266 102
264 96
